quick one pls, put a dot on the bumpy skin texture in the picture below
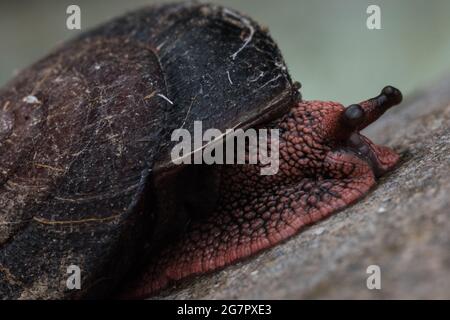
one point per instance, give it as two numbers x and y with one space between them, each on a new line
321 172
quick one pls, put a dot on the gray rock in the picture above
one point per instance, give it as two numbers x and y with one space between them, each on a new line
403 226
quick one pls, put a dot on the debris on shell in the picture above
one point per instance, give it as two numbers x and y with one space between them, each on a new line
31 100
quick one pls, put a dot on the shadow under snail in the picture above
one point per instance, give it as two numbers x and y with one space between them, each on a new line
85 173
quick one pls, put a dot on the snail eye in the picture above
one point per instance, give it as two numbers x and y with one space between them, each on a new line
353 115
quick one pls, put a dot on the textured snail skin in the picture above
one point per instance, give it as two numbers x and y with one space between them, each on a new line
321 172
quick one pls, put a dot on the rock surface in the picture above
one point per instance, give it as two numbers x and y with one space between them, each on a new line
403 226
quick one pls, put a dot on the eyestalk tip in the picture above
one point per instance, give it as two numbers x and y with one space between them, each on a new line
392 94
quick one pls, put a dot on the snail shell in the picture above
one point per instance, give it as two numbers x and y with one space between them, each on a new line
85 131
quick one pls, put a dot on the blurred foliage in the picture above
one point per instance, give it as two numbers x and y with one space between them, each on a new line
325 42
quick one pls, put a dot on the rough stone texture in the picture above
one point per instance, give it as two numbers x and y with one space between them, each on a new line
402 226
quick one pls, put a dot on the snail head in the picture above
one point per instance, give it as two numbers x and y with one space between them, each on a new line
351 120
332 135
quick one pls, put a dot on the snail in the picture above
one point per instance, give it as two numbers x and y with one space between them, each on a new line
86 177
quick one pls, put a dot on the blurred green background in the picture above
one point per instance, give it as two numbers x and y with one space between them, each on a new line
325 43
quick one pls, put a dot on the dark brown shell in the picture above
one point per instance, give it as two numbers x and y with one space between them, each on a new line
81 132
220 66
